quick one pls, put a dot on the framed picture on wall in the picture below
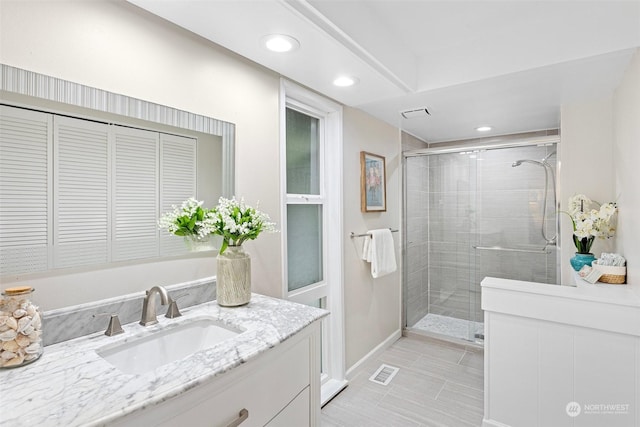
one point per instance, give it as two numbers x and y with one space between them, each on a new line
373 183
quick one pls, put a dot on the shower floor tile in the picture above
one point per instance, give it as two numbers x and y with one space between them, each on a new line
450 326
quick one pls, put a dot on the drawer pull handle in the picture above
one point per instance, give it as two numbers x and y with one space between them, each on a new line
242 416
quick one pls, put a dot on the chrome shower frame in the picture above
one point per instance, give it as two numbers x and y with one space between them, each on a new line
540 138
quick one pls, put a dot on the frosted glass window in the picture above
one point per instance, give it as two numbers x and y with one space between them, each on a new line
303 157
304 245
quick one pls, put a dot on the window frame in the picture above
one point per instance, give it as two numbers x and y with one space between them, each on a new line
330 290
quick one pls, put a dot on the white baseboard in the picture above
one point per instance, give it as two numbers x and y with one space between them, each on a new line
353 370
491 423
330 389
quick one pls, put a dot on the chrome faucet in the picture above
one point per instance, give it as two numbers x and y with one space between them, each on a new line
149 316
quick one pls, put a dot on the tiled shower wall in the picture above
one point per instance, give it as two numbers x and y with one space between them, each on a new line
459 201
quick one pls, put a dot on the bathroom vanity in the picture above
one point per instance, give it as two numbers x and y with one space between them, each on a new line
262 369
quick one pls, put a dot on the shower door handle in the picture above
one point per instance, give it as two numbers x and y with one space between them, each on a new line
500 248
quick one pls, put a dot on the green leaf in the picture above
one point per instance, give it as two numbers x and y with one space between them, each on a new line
192 223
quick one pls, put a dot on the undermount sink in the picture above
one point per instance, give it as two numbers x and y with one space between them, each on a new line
167 345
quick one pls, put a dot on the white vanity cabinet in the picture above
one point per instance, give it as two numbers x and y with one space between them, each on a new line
271 369
280 387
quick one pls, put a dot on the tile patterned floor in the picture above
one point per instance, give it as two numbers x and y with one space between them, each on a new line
439 384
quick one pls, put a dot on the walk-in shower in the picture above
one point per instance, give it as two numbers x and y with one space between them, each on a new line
470 213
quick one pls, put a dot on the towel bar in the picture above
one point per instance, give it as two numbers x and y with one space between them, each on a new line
352 235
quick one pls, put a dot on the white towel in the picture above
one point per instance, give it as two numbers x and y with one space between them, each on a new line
366 248
378 250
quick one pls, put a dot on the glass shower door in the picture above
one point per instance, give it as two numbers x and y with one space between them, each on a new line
439 225
469 215
510 241
416 240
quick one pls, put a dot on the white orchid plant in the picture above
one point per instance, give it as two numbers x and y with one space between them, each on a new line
590 219
231 219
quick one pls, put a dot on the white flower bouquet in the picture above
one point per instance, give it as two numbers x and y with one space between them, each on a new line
189 220
231 219
590 219
237 222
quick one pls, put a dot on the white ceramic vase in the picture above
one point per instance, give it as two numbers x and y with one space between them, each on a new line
233 280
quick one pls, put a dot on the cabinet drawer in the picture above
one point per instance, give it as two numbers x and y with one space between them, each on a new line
295 414
264 388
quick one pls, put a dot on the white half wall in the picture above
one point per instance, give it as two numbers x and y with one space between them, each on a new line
551 348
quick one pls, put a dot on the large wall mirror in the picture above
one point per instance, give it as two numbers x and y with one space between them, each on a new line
121 159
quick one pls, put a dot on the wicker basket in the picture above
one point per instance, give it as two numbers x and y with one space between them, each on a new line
610 274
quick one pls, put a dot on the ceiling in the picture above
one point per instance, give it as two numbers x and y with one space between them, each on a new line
506 64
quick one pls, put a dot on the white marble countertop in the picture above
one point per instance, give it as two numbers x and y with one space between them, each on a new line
71 385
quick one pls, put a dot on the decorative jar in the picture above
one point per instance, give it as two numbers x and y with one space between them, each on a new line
233 277
20 328
580 260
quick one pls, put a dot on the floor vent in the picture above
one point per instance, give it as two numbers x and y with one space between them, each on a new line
384 374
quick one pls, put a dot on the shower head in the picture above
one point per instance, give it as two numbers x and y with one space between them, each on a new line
542 162
548 171
547 156
519 162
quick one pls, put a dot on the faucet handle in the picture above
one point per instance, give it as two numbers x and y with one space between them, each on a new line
114 327
172 311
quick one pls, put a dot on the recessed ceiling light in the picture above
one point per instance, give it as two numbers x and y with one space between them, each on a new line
280 43
484 128
345 81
